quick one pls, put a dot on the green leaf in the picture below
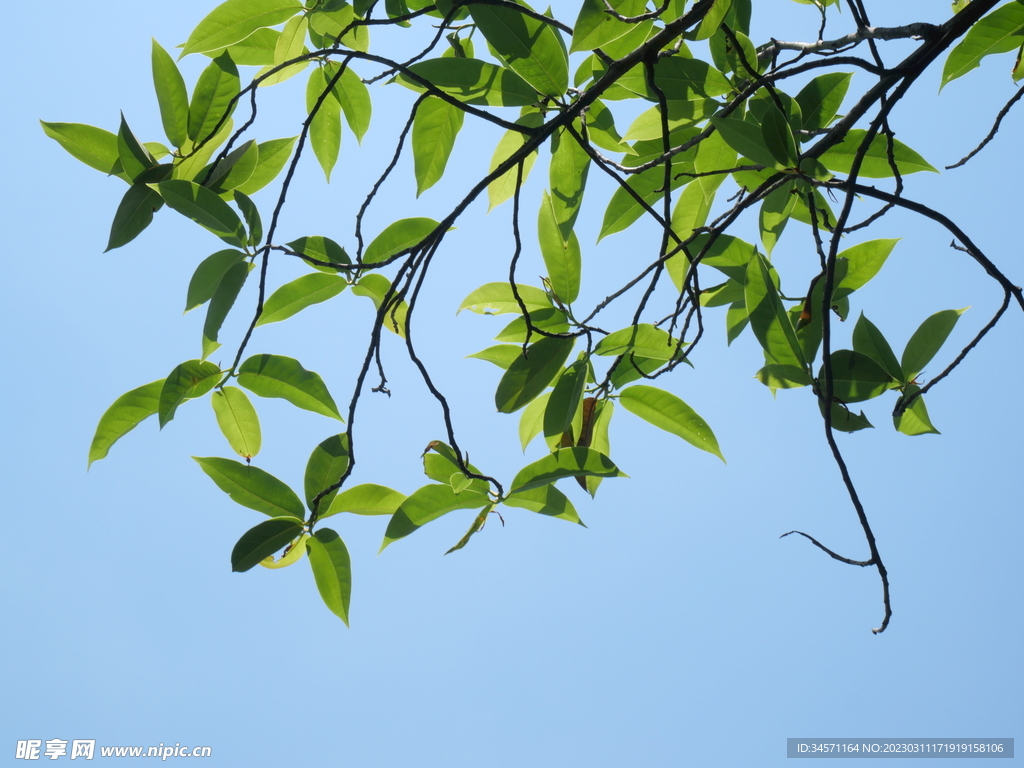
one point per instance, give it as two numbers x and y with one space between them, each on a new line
290 44
284 377
565 399
399 236
325 128
927 340
272 156
504 187
681 114
868 340
476 526
205 208
821 99
256 50
233 171
251 214
778 138
746 138
220 305
300 293
192 165
498 299
238 421
840 157
325 467
365 499
532 420
426 504
501 355
856 377
595 28
679 77
845 420
601 129
545 500
530 47
434 128
863 263
999 32
570 165
376 287
263 540
292 554
328 23
783 377
208 276
191 379
134 157
95 147
134 214
472 81
353 95
235 20
561 257
666 411
565 462
775 213
126 413
171 94
914 419
768 317
531 372
550 320
644 340
441 465
321 249
211 99
252 487
332 570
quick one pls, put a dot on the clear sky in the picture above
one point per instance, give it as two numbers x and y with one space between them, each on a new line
677 629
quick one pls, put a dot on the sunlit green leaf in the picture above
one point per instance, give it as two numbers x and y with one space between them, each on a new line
322 249
868 340
501 355
221 302
531 372
332 570
545 500
238 421
376 287
565 462
668 412
568 172
126 413
845 420
498 298
171 95
999 32
565 399
778 138
561 256
840 157
927 340
300 293
429 503
263 540
679 78
821 99
279 376
366 499
768 317
434 129
644 340
134 157
472 81
324 468
295 551
397 237
863 263
531 422
134 214
855 377
595 28
550 320
914 419
530 47
191 379
783 376
95 147
208 276
211 99
235 20
205 208
325 128
252 487
272 156
504 187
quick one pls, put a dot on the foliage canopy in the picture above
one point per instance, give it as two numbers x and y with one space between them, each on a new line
721 116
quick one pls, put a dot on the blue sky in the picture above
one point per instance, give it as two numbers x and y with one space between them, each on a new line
676 629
